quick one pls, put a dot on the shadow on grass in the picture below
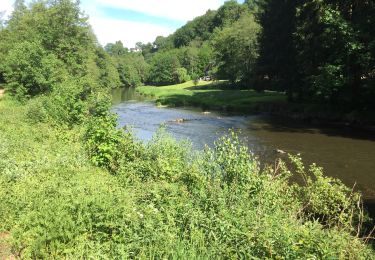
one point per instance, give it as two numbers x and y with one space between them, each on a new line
226 100
213 85
279 112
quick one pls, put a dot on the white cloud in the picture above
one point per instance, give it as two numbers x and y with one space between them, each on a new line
129 32
111 30
7 6
108 29
172 9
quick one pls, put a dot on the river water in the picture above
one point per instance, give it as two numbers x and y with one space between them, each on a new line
345 154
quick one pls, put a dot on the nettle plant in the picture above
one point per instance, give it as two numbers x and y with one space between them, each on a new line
327 199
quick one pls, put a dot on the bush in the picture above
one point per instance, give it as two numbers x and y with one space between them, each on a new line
162 159
196 79
30 70
69 104
182 75
107 146
103 141
36 111
326 199
162 200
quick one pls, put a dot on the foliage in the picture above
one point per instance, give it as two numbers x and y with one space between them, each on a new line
200 28
106 67
39 59
106 144
73 185
69 104
326 199
30 71
162 43
236 50
182 75
229 13
116 49
163 68
103 141
277 67
133 70
131 66
319 51
162 199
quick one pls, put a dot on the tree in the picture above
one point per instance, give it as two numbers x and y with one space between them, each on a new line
333 53
201 28
163 68
116 49
147 50
61 29
133 70
236 50
229 13
277 66
131 66
181 75
205 59
30 71
163 43
190 59
47 41
108 74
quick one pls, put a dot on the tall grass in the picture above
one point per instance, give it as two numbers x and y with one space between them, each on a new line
94 191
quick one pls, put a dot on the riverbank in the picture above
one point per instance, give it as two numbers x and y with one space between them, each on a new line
160 200
212 96
217 96
263 134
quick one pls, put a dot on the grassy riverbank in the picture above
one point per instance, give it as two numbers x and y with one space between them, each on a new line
158 200
216 96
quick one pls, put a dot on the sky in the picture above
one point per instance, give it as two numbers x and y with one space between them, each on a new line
134 21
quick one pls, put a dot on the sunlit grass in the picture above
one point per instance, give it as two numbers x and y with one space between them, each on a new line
209 95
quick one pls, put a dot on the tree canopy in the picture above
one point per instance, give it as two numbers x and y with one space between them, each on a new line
320 51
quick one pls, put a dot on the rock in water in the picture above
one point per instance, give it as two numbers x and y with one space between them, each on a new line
279 151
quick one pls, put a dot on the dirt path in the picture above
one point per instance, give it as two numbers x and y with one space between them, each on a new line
5 250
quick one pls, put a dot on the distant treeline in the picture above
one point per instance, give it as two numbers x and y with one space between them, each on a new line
48 51
318 51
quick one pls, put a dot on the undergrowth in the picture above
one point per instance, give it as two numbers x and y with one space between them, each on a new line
90 190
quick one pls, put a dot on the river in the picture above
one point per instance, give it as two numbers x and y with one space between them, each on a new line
343 153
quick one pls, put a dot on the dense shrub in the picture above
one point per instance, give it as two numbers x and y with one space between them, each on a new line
107 146
182 75
326 199
162 200
30 70
218 203
73 185
163 68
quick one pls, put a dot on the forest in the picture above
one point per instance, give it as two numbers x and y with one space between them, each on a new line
317 52
75 185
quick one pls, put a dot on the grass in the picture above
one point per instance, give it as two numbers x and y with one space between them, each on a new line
42 169
222 97
216 96
165 201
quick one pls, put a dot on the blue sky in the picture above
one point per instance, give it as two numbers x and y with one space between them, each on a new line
137 20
